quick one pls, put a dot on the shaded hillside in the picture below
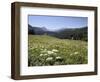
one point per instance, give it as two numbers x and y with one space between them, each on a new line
72 33
36 30
76 34
40 31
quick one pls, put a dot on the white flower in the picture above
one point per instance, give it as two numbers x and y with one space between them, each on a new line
58 57
76 53
50 52
54 50
42 46
41 54
49 59
71 54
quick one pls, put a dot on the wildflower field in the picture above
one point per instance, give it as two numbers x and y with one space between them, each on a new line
44 50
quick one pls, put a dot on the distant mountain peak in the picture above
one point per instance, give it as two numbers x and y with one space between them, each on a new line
44 28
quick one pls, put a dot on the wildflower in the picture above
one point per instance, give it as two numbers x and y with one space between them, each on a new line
49 59
71 54
76 53
58 57
41 54
50 52
54 50
42 46
45 54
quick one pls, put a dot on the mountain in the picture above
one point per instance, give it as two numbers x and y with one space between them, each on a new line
39 31
30 29
44 29
36 30
64 33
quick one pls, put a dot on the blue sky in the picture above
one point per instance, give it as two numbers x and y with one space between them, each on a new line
57 22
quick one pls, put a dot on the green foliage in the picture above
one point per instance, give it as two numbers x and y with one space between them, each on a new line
45 50
76 34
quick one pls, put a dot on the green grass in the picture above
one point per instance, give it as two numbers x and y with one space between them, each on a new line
45 50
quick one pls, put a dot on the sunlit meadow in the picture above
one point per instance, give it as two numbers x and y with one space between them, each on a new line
44 50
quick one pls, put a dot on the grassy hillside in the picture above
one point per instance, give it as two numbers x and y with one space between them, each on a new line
46 50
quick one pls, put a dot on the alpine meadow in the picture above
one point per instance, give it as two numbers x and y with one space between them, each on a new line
57 40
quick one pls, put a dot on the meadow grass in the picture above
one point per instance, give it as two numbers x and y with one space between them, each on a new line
45 50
